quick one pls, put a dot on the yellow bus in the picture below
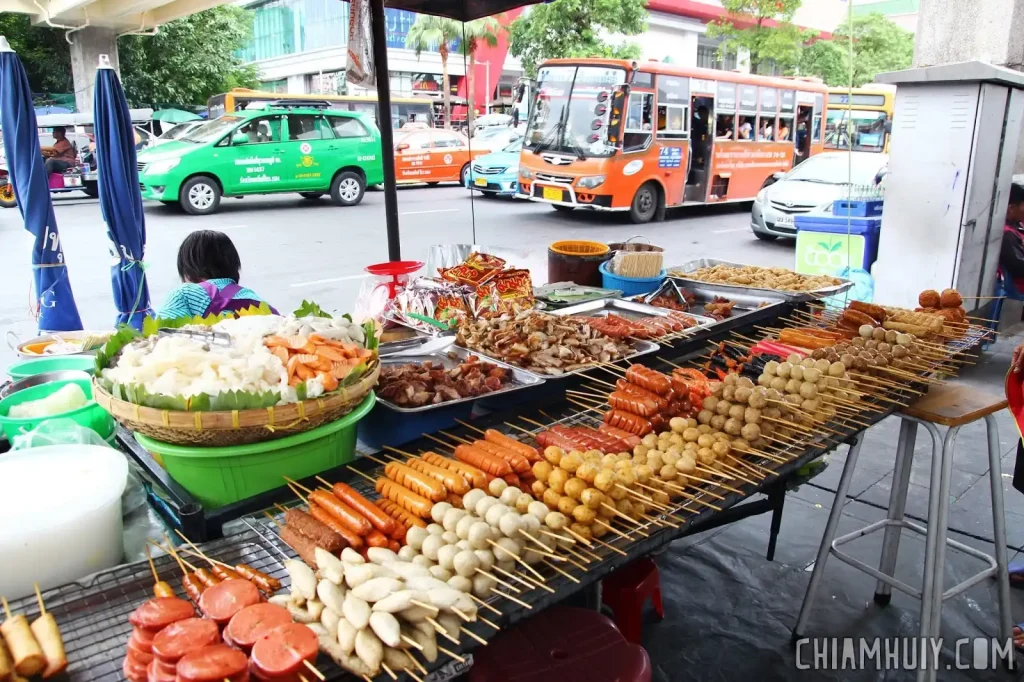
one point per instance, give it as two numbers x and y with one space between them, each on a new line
403 109
860 120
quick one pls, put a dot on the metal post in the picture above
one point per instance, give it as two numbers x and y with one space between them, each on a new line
387 140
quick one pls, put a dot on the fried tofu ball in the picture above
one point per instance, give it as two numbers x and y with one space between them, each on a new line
950 298
930 298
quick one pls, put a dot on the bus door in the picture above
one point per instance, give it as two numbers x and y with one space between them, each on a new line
702 136
804 125
673 132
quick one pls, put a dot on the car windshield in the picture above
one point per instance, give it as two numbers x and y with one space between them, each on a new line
571 110
514 148
178 131
495 131
864 131
838 169
212 131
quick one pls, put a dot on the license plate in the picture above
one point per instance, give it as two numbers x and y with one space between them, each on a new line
481 182
72 181
785 221
552 193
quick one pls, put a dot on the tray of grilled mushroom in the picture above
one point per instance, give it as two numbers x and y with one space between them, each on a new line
547 345
420 382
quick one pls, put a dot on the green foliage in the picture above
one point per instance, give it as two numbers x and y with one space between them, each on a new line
309 308
576 28
430 32
189 60
43 51
747 27
879 45
474 34
828 60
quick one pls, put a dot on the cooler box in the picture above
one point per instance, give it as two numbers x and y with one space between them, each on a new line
839 246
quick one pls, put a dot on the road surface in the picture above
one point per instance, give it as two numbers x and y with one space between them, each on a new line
293 249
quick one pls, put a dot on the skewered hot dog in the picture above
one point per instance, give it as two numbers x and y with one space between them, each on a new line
632 389
799 338
345 514
419 483
224 573
405 498
621 400
321 534
452 481
326 518
193 587
376 539
207 578
261 579
626 421
378 519
401 515
491 464
630 439
593 439
648 378
476 477
515 460
499 438
876 312
551 438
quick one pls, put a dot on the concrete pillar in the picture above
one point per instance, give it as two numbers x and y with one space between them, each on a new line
86 47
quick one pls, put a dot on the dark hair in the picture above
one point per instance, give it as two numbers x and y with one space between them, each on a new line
208 254
61 129
1016 194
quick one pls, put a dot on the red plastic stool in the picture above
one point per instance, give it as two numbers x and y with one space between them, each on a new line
626 591
561 644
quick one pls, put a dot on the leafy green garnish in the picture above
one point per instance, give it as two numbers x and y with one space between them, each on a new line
309 308
370 331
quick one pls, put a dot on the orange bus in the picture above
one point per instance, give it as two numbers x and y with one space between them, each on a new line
615 135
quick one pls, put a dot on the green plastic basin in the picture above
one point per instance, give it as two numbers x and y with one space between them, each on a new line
28 368
90 415
222 475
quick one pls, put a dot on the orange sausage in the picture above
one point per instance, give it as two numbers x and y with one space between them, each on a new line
378 519
404 498
345 514
394 546
476 477
456 501
403 518
377 539
518 463
326 518
491 464
419 483
452 481
499 438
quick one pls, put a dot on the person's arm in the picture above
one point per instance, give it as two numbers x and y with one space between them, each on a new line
188 300
1011 255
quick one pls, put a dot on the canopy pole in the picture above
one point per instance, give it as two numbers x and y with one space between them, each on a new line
387 140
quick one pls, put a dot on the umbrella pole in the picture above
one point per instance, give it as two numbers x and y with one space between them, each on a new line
387 142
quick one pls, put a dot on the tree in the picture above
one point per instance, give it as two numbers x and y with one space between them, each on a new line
763 28
189 59
828 60
576 28
484 31
879 45
43 51
429 32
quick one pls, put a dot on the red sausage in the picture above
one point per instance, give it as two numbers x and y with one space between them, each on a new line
630 440
341 511
499 438
550 438
635 424
281 650
252 622
649 379
138 651
377 518
177 639
135 670
224 600
144 638
214 664
632 403
156 614
159 672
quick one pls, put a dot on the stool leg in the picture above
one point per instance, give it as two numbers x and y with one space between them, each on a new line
995 475
897 507
827 537
934 486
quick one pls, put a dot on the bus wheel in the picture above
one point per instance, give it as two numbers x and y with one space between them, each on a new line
645 204
199 196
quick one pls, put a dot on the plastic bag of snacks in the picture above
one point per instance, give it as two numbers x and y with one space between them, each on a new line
509 291
477 269
433 305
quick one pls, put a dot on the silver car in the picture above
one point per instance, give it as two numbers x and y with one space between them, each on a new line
814 184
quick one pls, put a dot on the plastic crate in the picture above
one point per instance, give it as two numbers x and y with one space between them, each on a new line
862 208
630 286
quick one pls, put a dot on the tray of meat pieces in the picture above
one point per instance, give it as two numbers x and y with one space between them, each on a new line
620 319
416 383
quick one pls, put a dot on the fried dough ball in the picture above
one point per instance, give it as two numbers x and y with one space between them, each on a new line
929 298
705 415
950 298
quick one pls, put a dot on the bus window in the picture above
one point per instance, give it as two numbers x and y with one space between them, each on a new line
819 103
725 125
216 107
746 123
745 128
366 108
766 122
639 122
672 119
725 110
784 132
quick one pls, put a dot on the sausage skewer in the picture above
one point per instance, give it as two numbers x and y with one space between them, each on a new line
193 587
160 588
222 572
48 636
28 657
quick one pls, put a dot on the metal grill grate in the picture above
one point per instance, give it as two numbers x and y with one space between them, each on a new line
93 614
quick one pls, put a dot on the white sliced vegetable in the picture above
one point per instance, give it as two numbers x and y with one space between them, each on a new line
303 579
386 627
356 611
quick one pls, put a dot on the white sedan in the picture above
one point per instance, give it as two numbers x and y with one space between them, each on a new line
813 185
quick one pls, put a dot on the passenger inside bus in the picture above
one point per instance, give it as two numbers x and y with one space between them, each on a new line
723 127
783 132
699 136
745 130
764 131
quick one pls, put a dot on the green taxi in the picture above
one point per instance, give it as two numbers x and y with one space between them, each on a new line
307 149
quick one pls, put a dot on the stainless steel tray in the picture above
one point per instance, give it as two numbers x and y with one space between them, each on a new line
627 309
639 348
734 291
520 378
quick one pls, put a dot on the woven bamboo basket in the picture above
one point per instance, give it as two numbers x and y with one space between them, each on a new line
236 427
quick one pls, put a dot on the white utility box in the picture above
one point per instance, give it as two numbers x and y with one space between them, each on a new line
951 156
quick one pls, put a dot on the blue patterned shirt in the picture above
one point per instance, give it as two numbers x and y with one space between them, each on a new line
191 299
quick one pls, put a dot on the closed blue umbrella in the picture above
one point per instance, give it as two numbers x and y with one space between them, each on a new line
120 200
57 309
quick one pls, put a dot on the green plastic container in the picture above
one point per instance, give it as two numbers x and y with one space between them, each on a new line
222 475
29 368
91 415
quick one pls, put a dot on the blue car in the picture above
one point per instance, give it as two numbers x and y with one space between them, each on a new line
496 173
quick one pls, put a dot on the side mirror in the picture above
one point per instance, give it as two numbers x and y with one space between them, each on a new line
240 138
401 146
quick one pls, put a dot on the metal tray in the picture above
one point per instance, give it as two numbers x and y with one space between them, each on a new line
734 291
745 303
589 294
520 378
627 309
639 348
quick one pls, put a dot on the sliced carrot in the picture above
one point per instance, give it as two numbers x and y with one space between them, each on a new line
330 382
280 352
341 370
293 366
272 341
307 358
304 372
326 341
301 344
364 354
330 352
294 381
